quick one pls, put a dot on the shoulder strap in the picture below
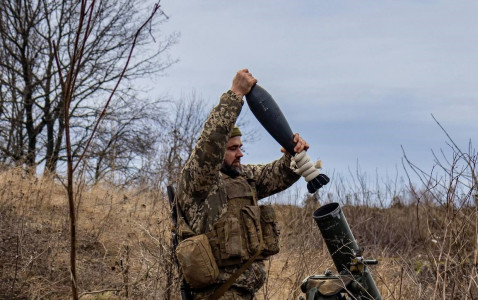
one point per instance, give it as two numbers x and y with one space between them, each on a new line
182 228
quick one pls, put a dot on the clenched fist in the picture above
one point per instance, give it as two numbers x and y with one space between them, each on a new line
242 83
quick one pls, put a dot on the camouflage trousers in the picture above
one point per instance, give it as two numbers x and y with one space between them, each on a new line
232 294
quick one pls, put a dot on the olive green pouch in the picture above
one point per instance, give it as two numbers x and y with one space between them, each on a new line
229 236
270 230
251 217
197 261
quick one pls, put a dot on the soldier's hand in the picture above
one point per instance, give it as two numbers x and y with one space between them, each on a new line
300 144
242 83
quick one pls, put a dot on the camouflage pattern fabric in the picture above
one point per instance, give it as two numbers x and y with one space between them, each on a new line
232 294
202 192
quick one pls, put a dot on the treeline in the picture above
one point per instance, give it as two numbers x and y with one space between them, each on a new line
37 42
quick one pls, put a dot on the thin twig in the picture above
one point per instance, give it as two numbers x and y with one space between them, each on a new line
103 112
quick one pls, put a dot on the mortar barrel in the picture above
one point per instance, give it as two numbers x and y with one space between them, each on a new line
342 246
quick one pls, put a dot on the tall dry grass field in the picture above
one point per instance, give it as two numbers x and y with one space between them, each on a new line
426 243
123 241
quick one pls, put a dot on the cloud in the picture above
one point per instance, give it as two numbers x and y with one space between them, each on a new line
358 78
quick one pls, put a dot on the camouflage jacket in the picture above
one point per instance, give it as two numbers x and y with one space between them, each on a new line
202 192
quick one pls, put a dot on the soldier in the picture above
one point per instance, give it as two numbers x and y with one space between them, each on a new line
218 196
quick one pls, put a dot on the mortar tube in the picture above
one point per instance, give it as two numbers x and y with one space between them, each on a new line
342 245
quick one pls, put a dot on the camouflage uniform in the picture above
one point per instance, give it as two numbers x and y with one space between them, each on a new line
202 189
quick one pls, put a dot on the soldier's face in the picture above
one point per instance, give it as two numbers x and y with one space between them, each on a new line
233 152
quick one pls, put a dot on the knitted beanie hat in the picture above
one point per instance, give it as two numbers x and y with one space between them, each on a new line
235 132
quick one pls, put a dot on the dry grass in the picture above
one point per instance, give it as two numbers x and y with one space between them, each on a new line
123 241
427 250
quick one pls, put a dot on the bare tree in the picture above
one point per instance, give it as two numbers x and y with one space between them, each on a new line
123 140
31 103
179 137
70 79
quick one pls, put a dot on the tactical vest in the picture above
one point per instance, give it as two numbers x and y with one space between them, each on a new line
244 228
240 232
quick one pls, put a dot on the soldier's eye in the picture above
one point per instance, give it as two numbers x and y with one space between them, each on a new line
234 148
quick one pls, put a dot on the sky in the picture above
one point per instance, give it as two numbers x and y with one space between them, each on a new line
359 80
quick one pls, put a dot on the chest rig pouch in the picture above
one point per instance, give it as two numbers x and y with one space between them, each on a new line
245 229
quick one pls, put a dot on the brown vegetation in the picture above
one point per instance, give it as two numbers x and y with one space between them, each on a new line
123 241
426 250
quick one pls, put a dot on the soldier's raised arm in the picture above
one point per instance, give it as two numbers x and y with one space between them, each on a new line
201 170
